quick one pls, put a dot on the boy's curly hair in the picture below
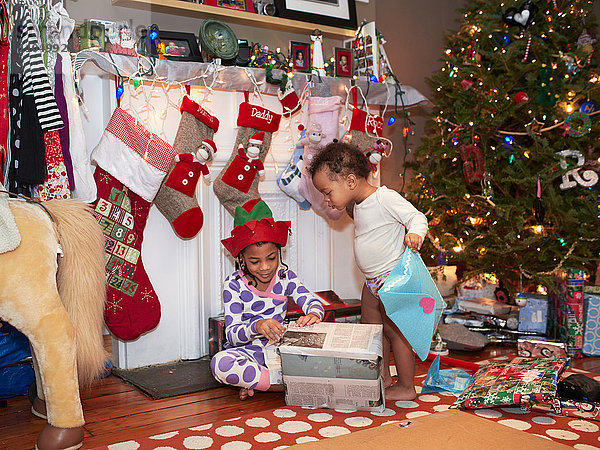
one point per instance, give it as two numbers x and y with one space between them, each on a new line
340 159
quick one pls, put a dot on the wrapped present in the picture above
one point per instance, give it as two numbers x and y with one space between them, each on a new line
333 365
591 327
533 316
520 381
571 327
483 285
484 305
536 348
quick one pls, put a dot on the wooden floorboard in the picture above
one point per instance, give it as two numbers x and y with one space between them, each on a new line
116 411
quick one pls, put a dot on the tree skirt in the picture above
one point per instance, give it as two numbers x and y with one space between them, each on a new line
294 425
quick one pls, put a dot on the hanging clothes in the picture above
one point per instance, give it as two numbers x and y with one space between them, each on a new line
4 49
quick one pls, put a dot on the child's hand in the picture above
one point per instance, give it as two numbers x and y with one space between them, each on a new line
413 241
309 319
271 329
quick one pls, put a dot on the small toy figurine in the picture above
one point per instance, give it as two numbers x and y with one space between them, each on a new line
375 153
205 154
252 152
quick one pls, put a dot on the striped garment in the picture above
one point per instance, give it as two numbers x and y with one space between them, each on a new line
35 76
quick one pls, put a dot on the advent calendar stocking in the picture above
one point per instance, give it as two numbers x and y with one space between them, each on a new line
132 163
176 198
132 307
237 183
323 125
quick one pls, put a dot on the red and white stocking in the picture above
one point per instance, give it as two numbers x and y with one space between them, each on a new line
237 183
132 307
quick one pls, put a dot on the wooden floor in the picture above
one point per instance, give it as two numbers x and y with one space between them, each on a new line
115 411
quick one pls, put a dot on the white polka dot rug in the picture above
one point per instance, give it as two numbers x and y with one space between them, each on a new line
290 425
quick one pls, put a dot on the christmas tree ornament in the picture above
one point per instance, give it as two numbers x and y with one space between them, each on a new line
132 307
588 107
535 126
237 183
501 293
587 178
473 163
577 124
176 198
521 97
487 190
585 42
466 84
523 17
538 207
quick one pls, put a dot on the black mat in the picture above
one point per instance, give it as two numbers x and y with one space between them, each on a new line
169 380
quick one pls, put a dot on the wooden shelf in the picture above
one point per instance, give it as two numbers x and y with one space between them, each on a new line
231 15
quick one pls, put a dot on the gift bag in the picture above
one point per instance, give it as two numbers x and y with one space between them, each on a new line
413 302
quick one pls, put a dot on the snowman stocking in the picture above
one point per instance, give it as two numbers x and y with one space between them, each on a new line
176 198
132 163
323 114
237 183
289 179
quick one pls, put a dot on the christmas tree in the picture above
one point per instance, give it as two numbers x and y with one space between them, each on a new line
508 170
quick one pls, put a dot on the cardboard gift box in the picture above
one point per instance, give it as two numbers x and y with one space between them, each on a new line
333 365
534 315
591 320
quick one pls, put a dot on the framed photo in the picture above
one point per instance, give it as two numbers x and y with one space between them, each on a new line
335 13
240 5
343 62
300 56
180 46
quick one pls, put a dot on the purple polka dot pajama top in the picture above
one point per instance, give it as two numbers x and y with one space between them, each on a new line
243 362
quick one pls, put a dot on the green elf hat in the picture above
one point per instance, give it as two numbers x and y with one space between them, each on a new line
253 222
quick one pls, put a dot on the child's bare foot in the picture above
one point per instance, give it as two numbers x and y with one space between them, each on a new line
399 392
245 393
387 380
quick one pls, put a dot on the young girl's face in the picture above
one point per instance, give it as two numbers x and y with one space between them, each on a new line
262 261
338 193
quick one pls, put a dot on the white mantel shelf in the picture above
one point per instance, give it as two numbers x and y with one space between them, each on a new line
231 15
236 78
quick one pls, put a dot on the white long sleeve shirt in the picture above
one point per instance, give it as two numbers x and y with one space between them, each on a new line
380 223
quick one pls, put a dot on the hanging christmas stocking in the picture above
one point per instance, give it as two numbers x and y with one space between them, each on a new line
176 198
289 179
57 181
132 307
323 116
237 183
132 163
365 128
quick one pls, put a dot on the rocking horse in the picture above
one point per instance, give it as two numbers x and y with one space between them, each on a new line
57 301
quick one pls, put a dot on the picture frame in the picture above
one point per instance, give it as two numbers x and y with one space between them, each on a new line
180 46
343 62
335 13
300 56
239 5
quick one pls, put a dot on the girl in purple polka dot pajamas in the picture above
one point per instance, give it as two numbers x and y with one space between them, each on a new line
255 298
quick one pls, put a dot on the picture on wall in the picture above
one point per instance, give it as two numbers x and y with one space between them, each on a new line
300 56
335 13
240 5
343 62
